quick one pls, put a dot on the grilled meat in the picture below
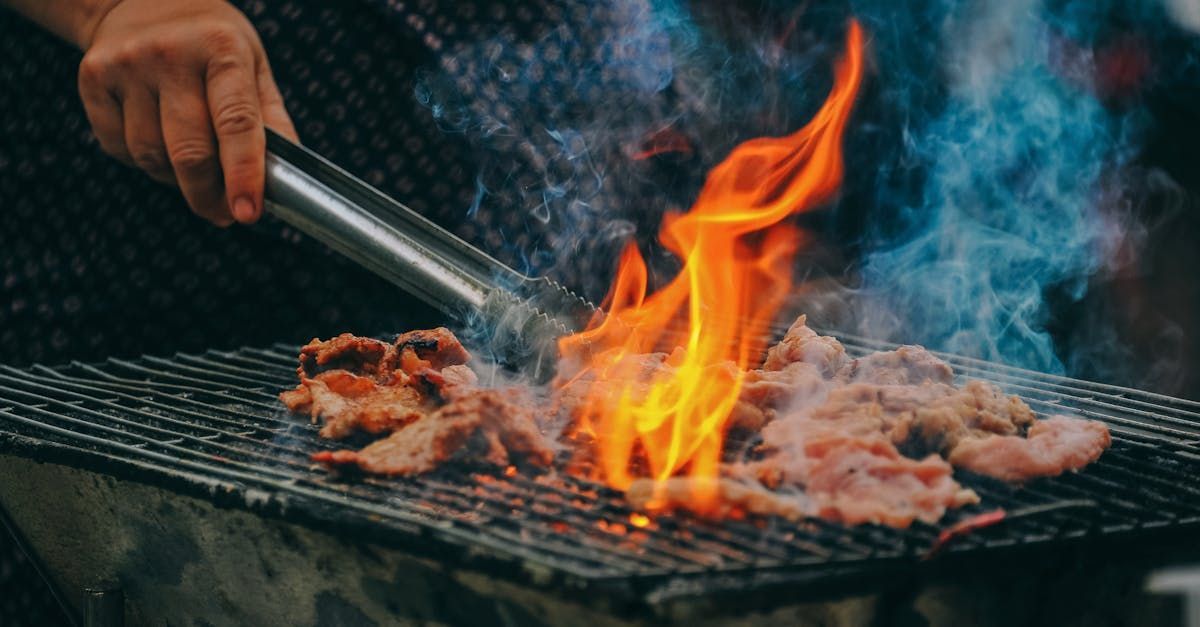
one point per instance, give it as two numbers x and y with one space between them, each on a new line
866 480
802 344
766 392
430 348
347 402
867 440
853 473
359 355
1052 446
853 479
874 439
926 418
355 383
907 365
492 425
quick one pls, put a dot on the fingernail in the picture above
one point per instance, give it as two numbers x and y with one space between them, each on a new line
243 210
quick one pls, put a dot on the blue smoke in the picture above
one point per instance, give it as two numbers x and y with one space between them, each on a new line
558 120
1013 162
979 149
552 119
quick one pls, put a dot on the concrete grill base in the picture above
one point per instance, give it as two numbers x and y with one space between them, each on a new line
183 560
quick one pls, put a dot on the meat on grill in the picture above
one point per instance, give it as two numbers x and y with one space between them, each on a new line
766 392
352 383
854 474
347 403
360 355
497 426
853 479
866 480
802 344
430 349
926 418
1052 446
907 365
866 440
419 390
907 396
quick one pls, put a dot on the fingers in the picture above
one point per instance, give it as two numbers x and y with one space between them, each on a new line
233 102
192 148
274 112
103 109
187 100
144 136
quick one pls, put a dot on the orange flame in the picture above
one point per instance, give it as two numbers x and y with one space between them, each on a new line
737 255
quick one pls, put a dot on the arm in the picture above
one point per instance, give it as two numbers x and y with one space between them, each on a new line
179 88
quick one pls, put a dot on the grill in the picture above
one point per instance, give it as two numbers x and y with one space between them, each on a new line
209 425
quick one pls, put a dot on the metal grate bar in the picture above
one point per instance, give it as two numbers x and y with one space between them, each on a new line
230 453
215 417
130 368
1075 387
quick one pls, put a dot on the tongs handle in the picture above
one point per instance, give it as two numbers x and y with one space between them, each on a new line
522 315
353 218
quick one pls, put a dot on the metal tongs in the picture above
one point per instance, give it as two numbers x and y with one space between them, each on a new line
524 315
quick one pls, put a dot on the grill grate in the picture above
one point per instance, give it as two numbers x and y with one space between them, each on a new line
210 425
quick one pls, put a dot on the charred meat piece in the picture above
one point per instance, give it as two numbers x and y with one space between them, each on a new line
492 425
352 383
976 410
430 349
357 355
1052 447
347 403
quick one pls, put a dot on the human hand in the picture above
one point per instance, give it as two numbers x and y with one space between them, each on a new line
182 89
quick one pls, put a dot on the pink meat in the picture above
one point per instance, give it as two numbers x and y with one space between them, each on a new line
1052 447
802 344
866 480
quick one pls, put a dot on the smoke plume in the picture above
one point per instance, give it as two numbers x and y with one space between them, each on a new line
986 160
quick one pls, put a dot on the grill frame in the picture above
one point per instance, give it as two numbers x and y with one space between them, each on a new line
35 403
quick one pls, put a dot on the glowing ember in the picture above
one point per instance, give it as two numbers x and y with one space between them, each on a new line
737 254
639 520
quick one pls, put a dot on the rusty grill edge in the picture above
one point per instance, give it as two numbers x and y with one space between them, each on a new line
209 425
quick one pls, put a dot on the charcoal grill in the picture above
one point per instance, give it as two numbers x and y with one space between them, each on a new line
151 470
